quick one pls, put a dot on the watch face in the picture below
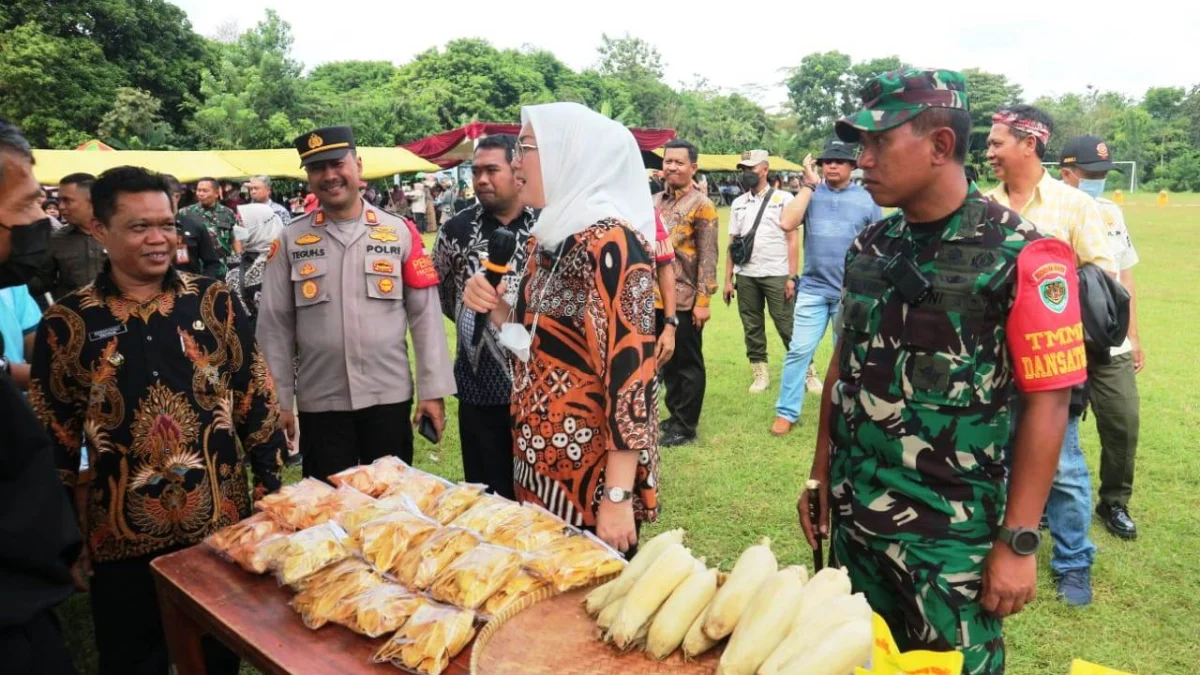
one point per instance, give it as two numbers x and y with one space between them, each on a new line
617 495
1026 542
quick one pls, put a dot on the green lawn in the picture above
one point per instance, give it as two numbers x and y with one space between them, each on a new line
739 483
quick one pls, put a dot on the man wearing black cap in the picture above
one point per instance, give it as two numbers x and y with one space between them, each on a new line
832 212
343 285
1112 386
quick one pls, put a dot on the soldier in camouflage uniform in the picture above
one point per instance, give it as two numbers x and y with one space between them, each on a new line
946 304
218 218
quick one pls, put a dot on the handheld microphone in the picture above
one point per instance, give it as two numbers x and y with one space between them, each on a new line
502 245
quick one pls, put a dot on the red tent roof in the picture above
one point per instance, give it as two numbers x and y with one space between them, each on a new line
453 147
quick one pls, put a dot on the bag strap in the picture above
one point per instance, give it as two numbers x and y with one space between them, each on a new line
762 209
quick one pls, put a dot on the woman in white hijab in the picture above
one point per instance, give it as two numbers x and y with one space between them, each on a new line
584 414
259 227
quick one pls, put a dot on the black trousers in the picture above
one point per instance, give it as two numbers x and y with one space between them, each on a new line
487 446
684 375
129 634
35 647
332 441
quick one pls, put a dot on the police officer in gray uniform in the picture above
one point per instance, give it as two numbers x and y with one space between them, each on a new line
342 286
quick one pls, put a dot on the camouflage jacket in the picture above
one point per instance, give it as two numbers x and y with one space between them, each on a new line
921 416
219 220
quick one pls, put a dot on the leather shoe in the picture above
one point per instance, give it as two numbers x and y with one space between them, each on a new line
1075 587
294 459
675 438
667 425
781 427
1118 521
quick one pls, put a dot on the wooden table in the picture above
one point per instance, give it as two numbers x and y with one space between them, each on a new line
201 594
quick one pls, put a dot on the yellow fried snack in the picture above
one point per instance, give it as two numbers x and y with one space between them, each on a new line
239 541
353 519
429 640
308 551
488 513
326 594
421 565
292 504
529 529
384 540
475 576
520 586
266 551
575 561
328 507
455 501
383 609
375 478
422 488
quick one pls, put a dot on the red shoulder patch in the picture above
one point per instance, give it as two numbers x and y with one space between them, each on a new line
274 249
1045 326
418 269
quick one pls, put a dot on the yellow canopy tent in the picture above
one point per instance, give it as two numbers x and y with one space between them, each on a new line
729 162
51 165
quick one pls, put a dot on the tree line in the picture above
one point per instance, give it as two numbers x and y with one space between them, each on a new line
136 75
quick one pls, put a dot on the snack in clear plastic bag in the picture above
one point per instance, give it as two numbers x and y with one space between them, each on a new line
308 551
375 478
339 501
325 594
292 505
266 551
353 519
477 574
520 586
575 561
422 488
529 529
385 540
383 609
488 513
421 565
429 640
453 502
239 541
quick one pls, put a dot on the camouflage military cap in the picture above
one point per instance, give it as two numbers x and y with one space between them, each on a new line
895 97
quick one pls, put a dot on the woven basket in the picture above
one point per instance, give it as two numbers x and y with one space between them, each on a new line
549 634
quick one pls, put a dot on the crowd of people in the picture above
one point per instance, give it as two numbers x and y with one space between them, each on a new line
184 351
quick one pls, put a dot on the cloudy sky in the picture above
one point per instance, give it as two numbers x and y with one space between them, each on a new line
1046 46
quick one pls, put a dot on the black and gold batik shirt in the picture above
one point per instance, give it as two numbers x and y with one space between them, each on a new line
170 396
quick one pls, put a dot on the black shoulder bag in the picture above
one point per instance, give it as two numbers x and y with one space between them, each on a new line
741 246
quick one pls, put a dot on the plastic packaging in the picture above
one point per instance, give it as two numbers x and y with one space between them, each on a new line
383 609
529 529
326 594
421 565
375 478
429 640
353 519
385 540
455 501
267 550
475 576
330 506
577 560
486 514
238 542
422 488
520 586
292 505
308 551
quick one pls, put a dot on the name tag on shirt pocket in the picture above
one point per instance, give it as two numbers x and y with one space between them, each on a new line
383 277
309 281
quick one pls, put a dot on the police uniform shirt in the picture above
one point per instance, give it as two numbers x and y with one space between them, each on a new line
769 257
344 296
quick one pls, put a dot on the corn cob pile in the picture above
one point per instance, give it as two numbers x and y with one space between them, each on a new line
777 621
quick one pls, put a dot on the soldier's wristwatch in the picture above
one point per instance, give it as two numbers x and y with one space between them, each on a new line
1022 540
617 495
671 320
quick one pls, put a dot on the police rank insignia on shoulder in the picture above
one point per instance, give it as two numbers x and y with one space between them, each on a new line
309 289
384 234
273 250
307 269
308 239
386 285
320 219
372 219
383 267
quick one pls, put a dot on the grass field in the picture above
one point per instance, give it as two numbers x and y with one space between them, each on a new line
738 482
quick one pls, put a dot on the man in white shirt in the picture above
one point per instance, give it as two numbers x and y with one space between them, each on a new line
768 277
1112 387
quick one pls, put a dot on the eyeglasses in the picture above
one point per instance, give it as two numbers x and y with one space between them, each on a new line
522 148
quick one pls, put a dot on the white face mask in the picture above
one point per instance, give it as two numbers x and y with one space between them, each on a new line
517 340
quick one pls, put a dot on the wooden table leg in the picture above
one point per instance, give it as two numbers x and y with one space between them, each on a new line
183 635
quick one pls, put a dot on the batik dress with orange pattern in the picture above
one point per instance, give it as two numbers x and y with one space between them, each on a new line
586 389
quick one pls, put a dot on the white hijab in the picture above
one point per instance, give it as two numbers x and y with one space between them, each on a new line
591 170
261 226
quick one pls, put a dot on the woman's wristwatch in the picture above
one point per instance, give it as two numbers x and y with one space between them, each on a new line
617 495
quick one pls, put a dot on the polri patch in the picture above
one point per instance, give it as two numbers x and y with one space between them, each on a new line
309 289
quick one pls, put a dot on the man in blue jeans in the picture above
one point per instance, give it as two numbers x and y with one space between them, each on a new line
833 212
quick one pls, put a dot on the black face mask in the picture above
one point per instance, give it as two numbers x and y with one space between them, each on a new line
29 244
749 180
